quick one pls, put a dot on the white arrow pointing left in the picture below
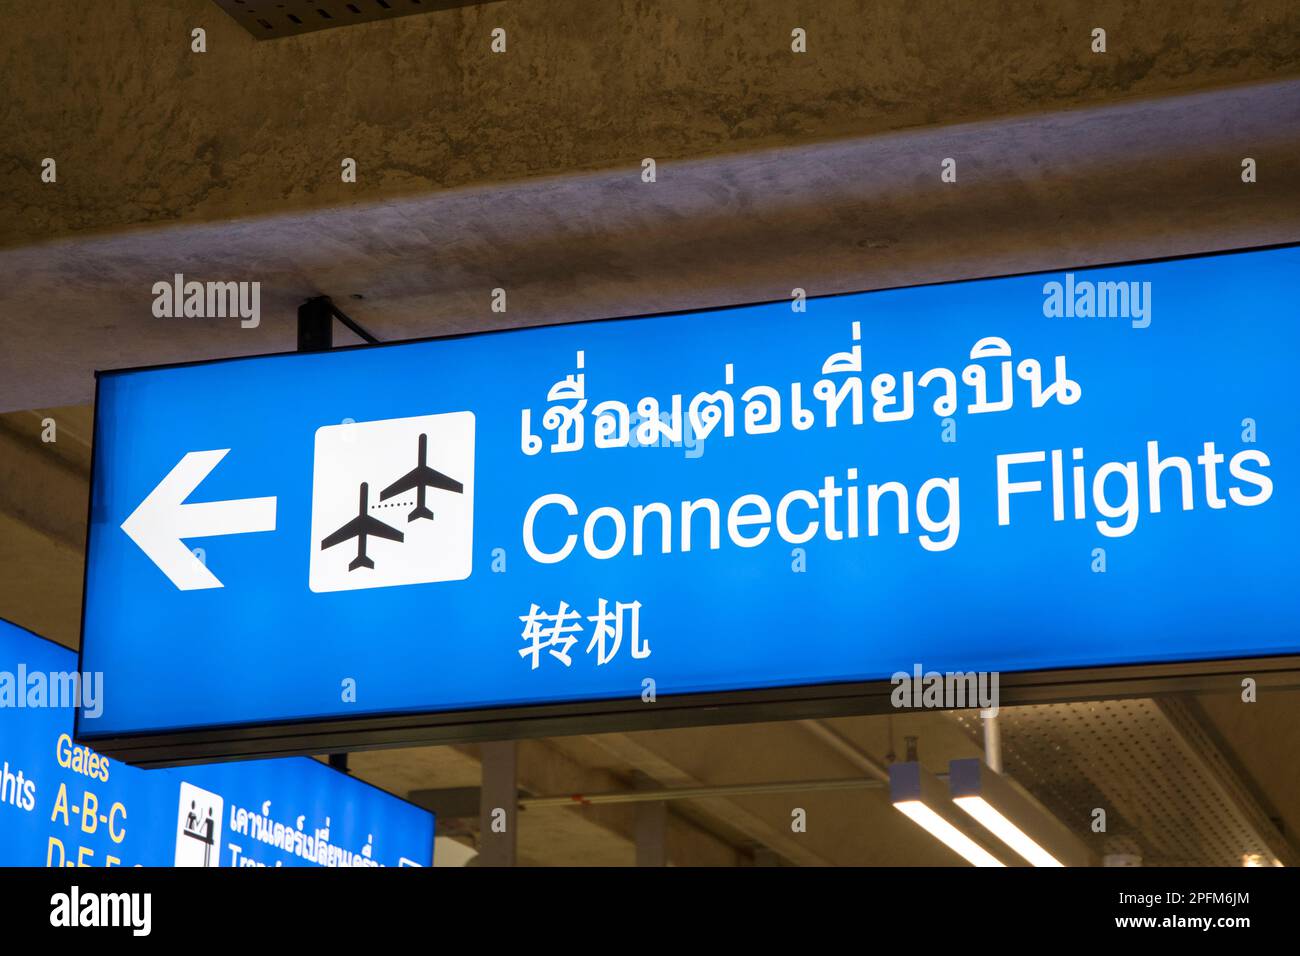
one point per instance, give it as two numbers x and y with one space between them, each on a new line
163 520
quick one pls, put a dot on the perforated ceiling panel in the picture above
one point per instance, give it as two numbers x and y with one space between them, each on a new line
269 19
1170 795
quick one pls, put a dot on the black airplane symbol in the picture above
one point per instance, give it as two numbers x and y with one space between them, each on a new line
421 477
362 527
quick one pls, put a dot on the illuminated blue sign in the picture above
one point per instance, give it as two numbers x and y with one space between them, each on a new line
1094 467
63 804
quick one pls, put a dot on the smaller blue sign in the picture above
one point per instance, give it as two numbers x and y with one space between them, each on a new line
63 804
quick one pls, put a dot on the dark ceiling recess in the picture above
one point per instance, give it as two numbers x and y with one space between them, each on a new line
270 19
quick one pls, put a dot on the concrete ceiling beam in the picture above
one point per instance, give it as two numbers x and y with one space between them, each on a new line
146 130
1132 180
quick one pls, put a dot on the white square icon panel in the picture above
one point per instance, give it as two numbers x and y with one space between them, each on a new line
392 502
198 827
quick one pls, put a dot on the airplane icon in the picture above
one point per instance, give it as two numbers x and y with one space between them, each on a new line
421 477
362 527
394 456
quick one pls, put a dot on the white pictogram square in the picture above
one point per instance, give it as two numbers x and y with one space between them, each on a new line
392 502
198 827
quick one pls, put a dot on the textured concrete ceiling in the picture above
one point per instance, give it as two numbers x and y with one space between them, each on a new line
521 170
146 131
1138 179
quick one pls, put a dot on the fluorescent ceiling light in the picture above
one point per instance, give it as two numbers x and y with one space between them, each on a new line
947 834
1006 831
1008 812
920 796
